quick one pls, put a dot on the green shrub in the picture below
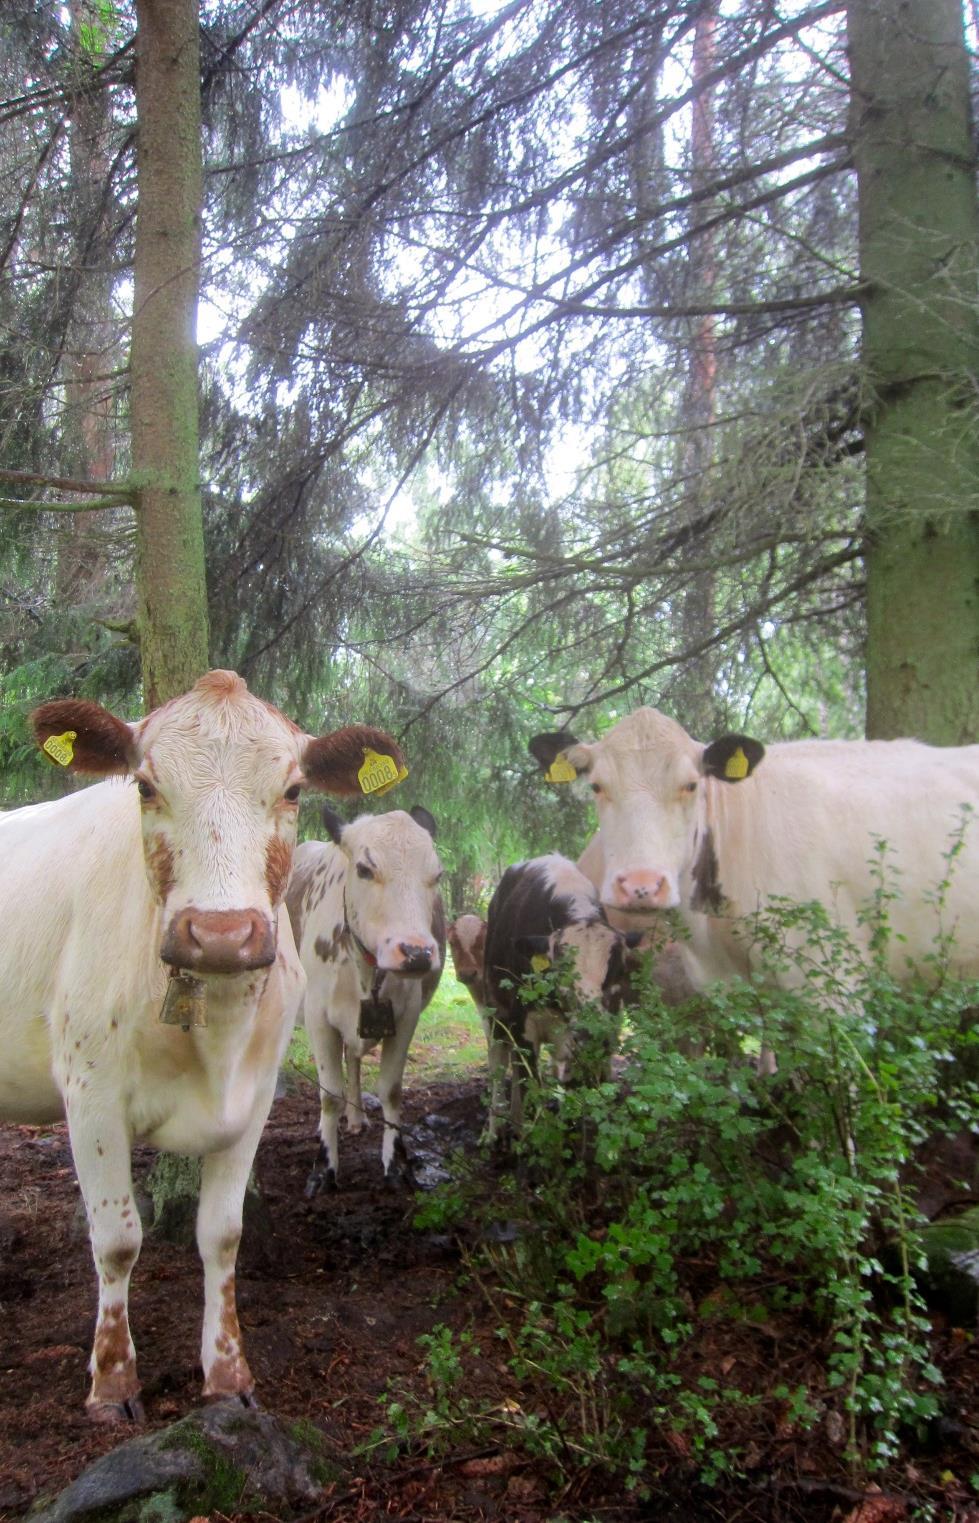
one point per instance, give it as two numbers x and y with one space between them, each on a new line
695 1191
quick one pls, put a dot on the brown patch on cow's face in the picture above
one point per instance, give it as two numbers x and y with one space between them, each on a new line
707 896
114 1376
278 866
159 865
229 1375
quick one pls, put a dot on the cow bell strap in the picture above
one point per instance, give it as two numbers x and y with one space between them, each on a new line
365 953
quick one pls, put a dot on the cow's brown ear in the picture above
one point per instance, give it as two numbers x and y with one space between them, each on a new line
732 758
355 761
82 736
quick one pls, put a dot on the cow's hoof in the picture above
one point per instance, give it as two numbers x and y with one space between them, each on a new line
128 1411
320 1182
246 1399
400 1174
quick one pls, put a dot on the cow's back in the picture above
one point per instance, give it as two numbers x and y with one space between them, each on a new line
806 824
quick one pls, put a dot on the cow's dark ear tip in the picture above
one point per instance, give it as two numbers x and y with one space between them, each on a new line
333 824
544 748
732 757
421 817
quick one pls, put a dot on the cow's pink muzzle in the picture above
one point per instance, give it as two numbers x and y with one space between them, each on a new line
642 889
219 941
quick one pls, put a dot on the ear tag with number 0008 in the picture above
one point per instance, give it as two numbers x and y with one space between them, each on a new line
560 771
736 765
379 773
60 748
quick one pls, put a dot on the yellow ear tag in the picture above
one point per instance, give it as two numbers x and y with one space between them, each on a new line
379 773
60 748
736 765
540 963
560 771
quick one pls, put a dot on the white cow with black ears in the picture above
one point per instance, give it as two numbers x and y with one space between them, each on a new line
150 982
716 831
370 927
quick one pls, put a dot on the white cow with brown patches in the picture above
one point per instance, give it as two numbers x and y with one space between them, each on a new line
369 923
717 831
168 877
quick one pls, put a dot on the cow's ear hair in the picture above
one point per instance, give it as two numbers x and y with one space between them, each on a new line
82 736
333 823
533 946
546 748
422 817
732 758
333 763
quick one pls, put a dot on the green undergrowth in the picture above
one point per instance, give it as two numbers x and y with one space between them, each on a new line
694 1260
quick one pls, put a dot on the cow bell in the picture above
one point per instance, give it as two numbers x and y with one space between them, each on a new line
186 1001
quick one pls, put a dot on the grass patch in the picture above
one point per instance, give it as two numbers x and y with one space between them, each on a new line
449 1041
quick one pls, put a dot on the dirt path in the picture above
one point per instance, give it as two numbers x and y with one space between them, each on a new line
332 1294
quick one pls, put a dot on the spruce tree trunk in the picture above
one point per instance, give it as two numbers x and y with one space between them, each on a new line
918 233
170 535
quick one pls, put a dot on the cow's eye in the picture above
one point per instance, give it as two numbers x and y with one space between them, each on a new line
291 795
689 788
145 790
596 788
364 872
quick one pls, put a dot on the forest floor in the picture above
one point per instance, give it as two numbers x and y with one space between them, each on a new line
333 1295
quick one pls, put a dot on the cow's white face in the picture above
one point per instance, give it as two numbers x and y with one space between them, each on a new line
649 781
646 778
391 890
218 775
598 955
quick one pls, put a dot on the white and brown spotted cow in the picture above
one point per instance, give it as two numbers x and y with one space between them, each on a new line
543 913
160 890
370 927
717 831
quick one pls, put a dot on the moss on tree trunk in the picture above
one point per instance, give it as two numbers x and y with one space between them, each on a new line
170 536
919 232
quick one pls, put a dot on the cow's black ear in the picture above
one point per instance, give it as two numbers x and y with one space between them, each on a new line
533 946
732 758
545 748
333 823
424 819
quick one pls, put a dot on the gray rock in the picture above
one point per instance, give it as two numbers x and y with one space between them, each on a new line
952 1278
221 1458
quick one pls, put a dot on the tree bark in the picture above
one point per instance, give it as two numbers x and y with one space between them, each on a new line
170 536
919 232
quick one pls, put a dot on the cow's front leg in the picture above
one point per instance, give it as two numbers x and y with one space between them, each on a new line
101 1150
356 1115
394 1051
327 1044
497 1057
224 1179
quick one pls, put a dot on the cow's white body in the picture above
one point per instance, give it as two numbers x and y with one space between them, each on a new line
355 935
191 863
803 826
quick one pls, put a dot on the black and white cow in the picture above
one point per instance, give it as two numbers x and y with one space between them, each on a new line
369 924
545 912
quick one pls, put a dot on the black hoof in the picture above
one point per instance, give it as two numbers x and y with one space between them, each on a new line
321 1176
128 1411
400 1174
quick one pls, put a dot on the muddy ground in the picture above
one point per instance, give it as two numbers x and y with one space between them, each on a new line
333 1295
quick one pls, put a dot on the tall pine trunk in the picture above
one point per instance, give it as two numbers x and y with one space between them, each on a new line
170 536
919 232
